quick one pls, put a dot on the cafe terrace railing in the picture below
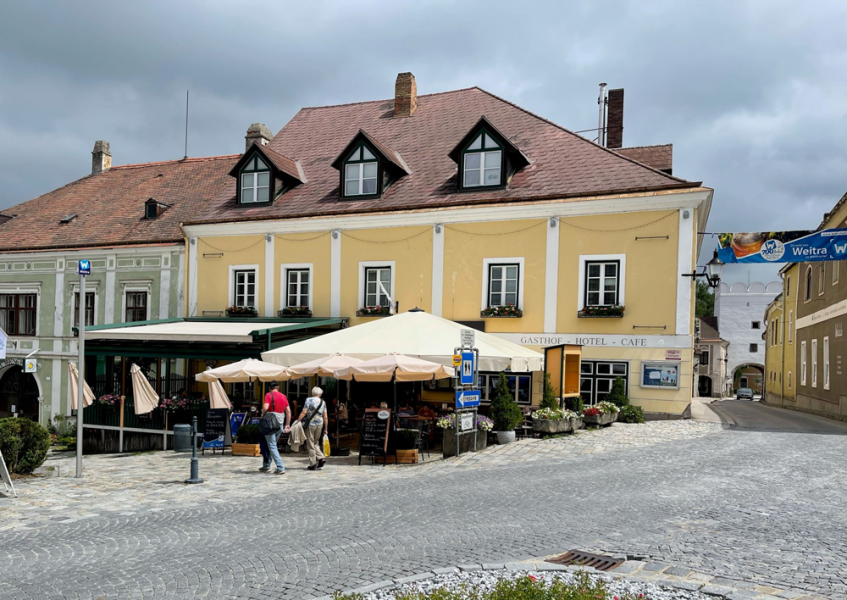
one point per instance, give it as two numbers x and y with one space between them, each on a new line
158 420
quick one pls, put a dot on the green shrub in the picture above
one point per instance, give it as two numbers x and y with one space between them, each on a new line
24 444
631 414
67 441
504 410
574 404
618 394
549 400
248 434
406 439
61 426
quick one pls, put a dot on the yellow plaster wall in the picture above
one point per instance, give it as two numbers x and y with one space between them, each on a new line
465 247
305 248
213 270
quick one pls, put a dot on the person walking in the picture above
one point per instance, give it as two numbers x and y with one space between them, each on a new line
277 404
315 423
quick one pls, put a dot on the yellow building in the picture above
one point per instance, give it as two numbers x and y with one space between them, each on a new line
471 208
779 336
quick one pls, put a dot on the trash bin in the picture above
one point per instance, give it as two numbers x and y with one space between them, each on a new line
182 438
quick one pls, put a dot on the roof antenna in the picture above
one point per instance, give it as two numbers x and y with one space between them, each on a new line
186 125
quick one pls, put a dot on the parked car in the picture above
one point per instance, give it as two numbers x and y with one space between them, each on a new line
744 393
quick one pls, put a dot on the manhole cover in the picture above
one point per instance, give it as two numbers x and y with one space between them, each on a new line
586 559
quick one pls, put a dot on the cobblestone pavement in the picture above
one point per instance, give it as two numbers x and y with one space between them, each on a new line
762 507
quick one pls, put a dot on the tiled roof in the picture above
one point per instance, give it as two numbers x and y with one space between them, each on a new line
563 164
283 163
109 207
658 157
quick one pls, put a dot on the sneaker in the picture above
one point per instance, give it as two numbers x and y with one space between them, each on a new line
279 472
321 463
312 468
265 469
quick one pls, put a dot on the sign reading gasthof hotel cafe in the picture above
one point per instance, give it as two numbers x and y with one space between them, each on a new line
598 340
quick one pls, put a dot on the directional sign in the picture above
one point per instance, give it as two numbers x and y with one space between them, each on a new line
468 338
466 376
84 267
468 398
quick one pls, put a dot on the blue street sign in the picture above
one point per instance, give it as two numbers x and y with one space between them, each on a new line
84 267
468 398
466 377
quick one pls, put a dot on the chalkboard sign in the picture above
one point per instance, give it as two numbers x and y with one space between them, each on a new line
375 428
217 428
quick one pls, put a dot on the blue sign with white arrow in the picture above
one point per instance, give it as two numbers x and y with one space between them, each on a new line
468 398
84 267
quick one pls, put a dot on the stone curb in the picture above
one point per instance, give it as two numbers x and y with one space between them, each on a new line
634 570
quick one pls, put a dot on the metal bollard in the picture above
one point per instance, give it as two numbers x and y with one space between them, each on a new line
195 476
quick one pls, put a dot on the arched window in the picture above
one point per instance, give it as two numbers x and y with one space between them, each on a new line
255 181
482 163
807 295
361 170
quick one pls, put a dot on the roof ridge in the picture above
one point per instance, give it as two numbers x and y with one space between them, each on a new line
586 140
167 162
638 147
387 99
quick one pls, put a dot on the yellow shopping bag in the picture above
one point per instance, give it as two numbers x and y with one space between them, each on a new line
326 446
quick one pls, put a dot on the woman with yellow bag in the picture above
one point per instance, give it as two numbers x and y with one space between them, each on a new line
315 425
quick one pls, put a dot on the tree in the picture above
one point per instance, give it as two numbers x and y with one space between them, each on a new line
504 410
549 400
618 395
705 306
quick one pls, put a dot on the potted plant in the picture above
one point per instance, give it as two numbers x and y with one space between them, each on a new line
173 404
505 412
447 424
110 400
600 312
406 442
242 311
247 441
295 311
553 420
374 311
601 414
507 311
618 395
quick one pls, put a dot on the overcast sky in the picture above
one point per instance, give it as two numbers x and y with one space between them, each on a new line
751 93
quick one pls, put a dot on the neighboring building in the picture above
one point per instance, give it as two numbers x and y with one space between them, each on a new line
125 219
740 310
779 339
710 353
463 204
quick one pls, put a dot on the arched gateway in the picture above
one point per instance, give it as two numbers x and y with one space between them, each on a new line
18 393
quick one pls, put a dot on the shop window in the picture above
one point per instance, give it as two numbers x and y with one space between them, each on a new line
520 386
597 377
18 314
298 284
503 281
255 182
89 309
136 307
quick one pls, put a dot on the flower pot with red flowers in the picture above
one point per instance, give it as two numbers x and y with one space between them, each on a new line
601 414
374 311
242 311
509 311
295 311
602 312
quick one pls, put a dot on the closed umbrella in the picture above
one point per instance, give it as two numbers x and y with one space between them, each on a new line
144 396
397 366
248 369
217 395
325 367
87 394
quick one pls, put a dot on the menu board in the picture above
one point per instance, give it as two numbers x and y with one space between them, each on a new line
375 428
217 420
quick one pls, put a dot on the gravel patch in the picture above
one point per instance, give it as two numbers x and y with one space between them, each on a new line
486 580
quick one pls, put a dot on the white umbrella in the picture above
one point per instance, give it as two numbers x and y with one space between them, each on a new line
217 395
248 369
397 367
144 396
416 334
325 367
87 394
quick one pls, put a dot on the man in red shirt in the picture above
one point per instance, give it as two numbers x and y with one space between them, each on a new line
277 403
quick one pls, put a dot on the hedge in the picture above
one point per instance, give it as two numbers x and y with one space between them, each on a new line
24 444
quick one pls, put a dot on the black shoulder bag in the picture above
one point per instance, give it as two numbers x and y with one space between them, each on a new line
269 423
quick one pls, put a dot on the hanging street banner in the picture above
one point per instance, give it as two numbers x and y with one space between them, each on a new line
783 246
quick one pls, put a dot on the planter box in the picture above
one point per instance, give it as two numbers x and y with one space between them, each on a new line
246 450
577 423
582 316
448 442
552 425
407 457
287 314
600 420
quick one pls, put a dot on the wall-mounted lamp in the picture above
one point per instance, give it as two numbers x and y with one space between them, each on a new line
711 272
335 234
438 228
685 214
553 222
269 237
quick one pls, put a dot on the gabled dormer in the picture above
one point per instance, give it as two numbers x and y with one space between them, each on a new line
367 168
263 175
486 158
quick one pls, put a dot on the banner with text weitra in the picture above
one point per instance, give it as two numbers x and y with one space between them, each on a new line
783 246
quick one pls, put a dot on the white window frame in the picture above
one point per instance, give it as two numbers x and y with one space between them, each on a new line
360 179
814 362
790 326
826 362
363 266
803 362
283 281
13 289
255 187
232 270
822 281
503 291
481 169
486 271
585 258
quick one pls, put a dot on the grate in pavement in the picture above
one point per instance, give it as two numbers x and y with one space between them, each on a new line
587 559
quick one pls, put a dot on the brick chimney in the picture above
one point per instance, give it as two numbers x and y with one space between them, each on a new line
257 132
405 95
101 157
614 122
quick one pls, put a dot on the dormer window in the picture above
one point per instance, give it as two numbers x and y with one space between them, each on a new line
255 181
482 162
361 170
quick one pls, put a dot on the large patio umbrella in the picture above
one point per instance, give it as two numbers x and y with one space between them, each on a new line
87 394
248 369
144 396
325 367
413 333
217 395
396 367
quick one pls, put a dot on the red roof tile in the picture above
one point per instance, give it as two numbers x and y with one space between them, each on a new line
109 207
658 157
563 164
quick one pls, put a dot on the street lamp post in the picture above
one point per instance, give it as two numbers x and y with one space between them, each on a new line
711 272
